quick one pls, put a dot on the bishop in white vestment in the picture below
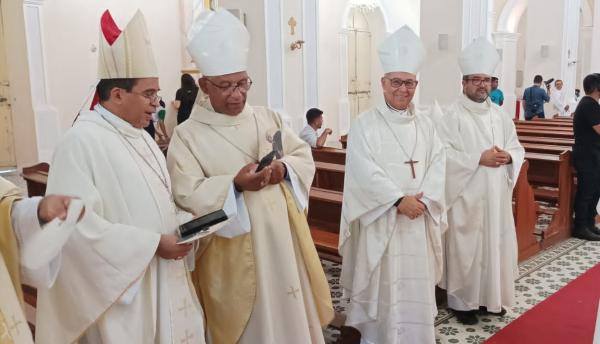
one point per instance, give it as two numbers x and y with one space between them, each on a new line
393 209
122 279
484 157
259 279
561 104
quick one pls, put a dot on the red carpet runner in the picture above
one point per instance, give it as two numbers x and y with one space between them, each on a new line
567 316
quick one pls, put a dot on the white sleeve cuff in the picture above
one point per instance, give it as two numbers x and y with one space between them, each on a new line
434 211
299 192
26 224
239 220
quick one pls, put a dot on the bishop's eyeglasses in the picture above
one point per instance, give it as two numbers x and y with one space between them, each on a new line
479 81
397 83
228 88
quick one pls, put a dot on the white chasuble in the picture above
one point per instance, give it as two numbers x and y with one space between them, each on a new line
391 263
480 244
266 286
112 288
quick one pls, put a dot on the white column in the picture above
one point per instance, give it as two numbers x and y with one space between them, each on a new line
595 56
46 116
343 102
274 52
311 38
507 43
475 20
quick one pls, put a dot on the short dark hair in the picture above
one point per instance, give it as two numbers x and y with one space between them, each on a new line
591 83
538 79
494 78
106 85
313 114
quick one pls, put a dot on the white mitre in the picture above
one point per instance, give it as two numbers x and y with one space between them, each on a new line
218 43
402 51
130 55
479 57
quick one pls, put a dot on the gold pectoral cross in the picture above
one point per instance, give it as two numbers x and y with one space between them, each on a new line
412 167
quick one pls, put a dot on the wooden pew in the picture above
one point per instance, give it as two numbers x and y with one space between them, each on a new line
543 127
328 154
546 140
525 213
546 122
544 148
329 176
544 133
36 177
552 179
324 213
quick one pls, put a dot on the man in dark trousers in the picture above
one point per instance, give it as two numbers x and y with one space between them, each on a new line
534 98
586 157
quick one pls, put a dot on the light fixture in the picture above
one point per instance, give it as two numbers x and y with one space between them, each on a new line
296 45
364 5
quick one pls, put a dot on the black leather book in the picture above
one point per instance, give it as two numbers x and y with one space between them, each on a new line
201 224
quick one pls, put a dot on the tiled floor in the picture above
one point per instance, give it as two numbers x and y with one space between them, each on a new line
539 277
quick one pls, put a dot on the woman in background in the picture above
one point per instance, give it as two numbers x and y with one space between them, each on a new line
185 97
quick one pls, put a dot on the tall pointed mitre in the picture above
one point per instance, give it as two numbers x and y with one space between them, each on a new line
402 51
127 54
479 57
218 43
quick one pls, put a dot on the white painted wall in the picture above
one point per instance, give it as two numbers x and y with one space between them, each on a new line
440 77
71 28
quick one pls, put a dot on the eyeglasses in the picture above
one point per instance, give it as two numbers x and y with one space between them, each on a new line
153 97
397 83
228 88
479 81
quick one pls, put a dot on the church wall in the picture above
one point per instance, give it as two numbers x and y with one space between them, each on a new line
440 77
257 60
547 32
24 129
71 34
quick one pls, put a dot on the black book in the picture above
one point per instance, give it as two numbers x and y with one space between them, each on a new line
191 229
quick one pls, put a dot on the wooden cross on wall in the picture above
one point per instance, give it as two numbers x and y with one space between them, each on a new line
292 23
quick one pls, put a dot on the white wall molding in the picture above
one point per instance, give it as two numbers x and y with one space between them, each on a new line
46 116
274 53
311 54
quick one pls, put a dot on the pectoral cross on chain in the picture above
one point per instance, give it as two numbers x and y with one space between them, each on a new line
412 167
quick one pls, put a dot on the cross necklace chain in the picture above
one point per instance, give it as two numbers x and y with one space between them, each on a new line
411 161
161 176
238 147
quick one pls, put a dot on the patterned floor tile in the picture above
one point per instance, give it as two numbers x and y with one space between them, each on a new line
539 277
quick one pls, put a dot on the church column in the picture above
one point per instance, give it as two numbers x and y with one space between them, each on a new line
476 20
595 54
46 116
274 53
506 42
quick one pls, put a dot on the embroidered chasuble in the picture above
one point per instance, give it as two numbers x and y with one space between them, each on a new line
13 326
266 286
480 244
391 263
125 293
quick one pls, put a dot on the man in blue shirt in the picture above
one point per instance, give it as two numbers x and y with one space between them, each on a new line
496 96
534 98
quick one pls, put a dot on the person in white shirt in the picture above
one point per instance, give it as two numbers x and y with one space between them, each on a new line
559 100
314 118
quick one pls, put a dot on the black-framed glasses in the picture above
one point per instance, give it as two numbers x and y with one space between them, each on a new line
396 83
153 97
228 87
479 81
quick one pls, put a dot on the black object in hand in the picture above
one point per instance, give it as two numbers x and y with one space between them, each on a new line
266 161
201 223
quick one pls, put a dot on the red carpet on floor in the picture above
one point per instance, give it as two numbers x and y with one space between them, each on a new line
567 316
